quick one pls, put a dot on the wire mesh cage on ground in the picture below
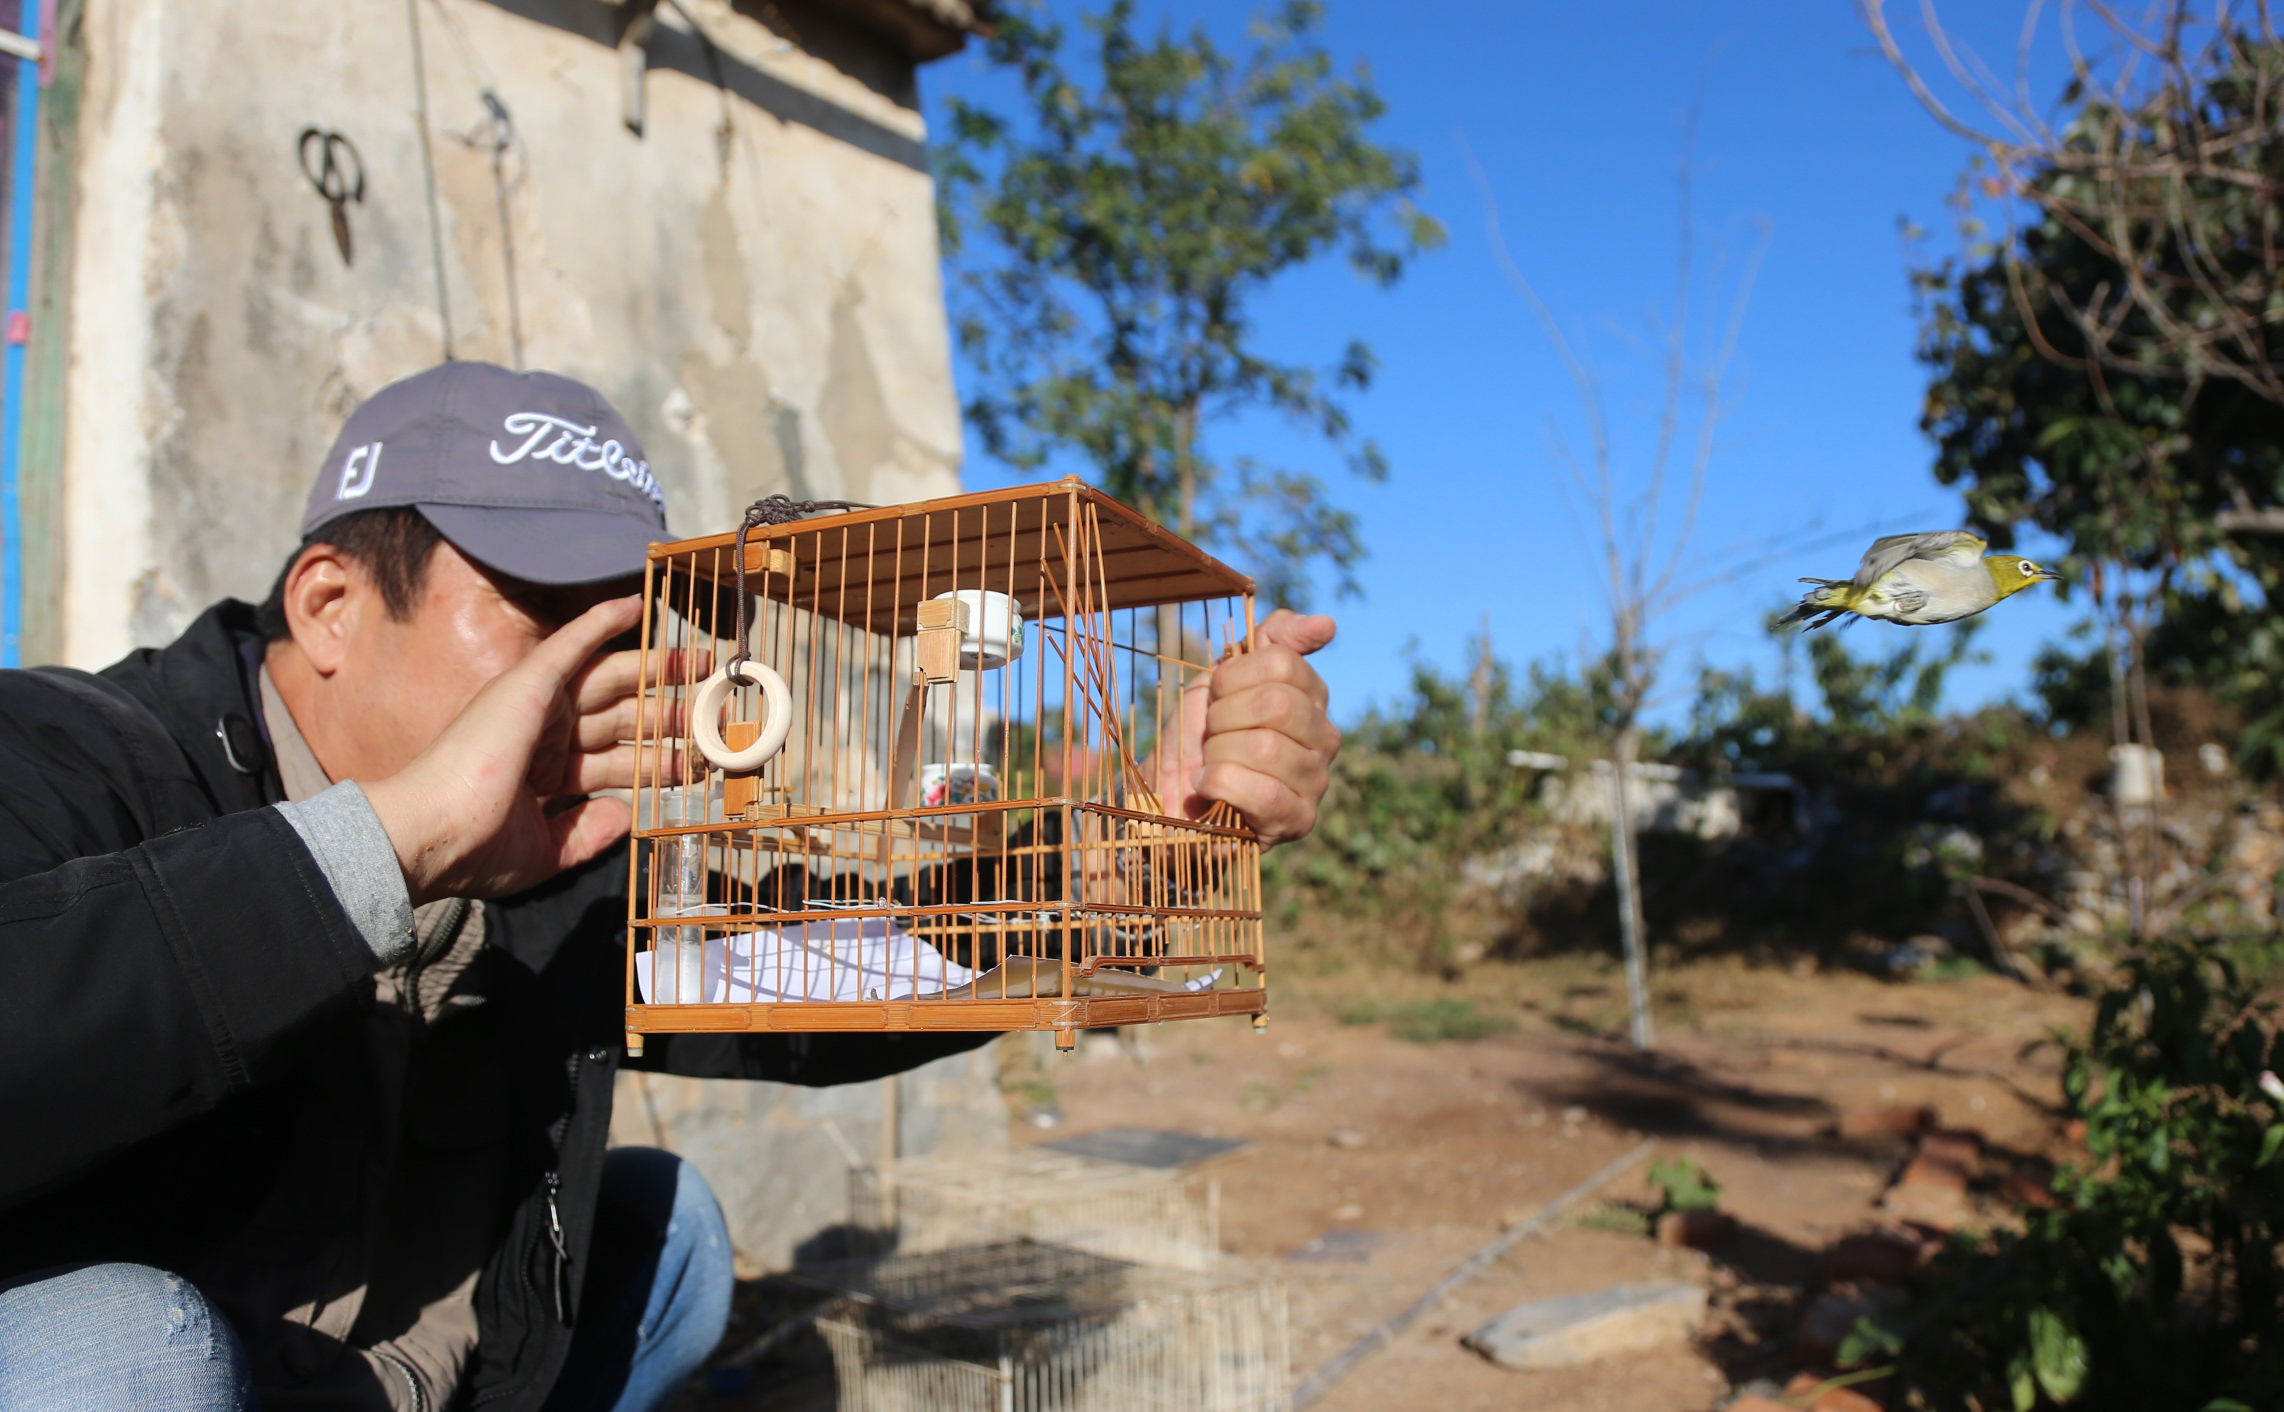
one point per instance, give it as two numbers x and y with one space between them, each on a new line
916 767
1142 1214
1030 1327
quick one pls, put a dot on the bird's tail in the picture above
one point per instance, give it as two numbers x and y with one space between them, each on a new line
1821 604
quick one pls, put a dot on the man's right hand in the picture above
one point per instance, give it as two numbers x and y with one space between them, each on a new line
470 816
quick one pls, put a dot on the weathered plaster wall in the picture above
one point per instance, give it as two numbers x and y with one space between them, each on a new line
753 279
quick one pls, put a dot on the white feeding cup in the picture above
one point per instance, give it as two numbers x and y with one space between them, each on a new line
994 635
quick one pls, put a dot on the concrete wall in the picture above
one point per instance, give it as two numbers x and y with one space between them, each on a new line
752 279
779 1156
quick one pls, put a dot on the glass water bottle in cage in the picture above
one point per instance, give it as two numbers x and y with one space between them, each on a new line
678 965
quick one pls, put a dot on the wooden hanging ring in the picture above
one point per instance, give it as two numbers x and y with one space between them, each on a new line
776 715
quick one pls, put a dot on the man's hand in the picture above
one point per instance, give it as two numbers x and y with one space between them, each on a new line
470 816
1256 735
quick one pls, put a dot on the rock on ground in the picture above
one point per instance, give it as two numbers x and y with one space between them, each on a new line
1579 1328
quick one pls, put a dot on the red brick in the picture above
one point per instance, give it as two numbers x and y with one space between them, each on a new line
1871 1255
1838 1399
1936 1208
1885 1122
1962 1149
1694 1230
1933 1172
2031 1184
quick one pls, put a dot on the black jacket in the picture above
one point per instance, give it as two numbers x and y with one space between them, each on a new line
178 987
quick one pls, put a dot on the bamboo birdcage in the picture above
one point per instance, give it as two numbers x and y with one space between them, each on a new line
1022 1326
930 799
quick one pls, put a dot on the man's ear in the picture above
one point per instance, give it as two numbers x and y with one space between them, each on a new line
323 595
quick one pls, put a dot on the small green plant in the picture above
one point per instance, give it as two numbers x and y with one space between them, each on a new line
1614 1216
1429 1021
1030 1095
1262 1095
1682 1185
1953 968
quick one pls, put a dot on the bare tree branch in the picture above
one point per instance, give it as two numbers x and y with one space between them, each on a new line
1642 552
2151 175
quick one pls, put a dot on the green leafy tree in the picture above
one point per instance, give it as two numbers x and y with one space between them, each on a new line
2106 361
2160 491
1110 246
2110 368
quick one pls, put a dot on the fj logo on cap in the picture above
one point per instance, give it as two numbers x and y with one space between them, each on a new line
358 470
574 446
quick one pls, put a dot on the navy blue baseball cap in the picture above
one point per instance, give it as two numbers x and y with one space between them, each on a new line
532 474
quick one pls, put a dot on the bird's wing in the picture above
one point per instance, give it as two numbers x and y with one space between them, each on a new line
1958 548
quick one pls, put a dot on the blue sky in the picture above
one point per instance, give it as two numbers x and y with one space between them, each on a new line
1573 112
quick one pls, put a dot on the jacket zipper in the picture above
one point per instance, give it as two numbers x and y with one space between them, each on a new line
559 1287
411 1379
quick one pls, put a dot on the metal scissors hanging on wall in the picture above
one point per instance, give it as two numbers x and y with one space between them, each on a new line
332 164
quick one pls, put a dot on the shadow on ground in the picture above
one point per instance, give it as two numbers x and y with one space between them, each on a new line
1666 1096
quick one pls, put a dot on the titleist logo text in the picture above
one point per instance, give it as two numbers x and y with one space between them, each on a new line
575 446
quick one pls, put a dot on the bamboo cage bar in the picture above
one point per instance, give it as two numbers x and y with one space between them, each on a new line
960 825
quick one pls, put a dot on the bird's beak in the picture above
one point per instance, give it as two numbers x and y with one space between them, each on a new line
2046 576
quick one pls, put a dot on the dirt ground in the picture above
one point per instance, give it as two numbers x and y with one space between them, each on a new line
1426 1151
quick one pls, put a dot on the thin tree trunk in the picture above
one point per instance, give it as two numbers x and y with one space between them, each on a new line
1170 684
1170 676
1479 684
2153 765
1626 872
1186 467
2114 640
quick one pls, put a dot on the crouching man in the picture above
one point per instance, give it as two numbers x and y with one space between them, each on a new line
310 963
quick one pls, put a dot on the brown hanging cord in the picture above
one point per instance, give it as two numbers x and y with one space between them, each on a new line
772 510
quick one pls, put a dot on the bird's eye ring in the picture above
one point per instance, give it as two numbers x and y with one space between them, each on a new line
2028 568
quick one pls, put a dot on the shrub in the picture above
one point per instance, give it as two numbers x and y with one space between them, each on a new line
1682 1185
2153 1284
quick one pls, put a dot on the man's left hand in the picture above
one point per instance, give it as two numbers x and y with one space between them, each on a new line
1256 734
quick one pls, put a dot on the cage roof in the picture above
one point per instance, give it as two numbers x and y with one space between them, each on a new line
873 568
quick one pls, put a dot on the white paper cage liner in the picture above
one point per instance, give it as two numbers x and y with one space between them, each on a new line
845 958
872 958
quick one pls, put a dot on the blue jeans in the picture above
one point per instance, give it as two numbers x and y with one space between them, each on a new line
107 1338
657 1291
117 1336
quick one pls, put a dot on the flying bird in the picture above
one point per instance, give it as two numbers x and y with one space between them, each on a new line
1918 579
